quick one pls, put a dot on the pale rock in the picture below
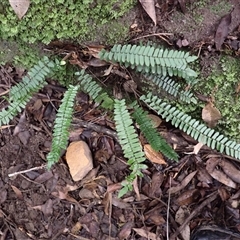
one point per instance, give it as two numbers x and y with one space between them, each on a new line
79 160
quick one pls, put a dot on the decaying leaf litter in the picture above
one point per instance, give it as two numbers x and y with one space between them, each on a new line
201 189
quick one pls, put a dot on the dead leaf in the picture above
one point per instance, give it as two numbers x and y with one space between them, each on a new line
17 192
156 120
219 175
79 160
44 177
149 7
46 208
130 86
188 197
125 231
180 218
20 7
222 30
230 170
183 183
211 115
197 148
146 234
153 156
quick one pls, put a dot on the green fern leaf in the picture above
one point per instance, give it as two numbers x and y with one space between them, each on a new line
61 125
194 128
152 60
21 93
129 141
156 141
171 87
95 91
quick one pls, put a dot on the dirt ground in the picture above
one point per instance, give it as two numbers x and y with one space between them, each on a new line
178 197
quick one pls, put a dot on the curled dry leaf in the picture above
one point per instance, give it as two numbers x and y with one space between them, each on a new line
183 183
149 7
153 156
219 175
211 115
230 170
20 7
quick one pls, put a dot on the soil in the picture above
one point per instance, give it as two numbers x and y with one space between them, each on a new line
47 204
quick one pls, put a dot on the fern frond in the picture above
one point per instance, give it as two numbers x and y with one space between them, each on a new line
171 87
150 59
21 93
61 125
95 91
156 141
129 141
193 127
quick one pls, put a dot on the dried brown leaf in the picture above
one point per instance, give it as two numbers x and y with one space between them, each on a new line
222 30
20 7
230 170
46 208
44 177
125 231
17 192
153 156
183 183
180 218
211 115
146 234
188 197
149 7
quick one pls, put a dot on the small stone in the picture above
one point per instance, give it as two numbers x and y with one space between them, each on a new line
79 160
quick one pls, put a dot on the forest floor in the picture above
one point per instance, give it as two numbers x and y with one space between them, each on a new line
171 201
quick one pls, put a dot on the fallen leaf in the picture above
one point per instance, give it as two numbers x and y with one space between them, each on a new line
222 30
46 208
79 160
153 156
125 231
20 7
130 86
146 234
181 215
149 7
156 120
17 192
217 174
44 177
210 114
183 183
197 148
230 170
188 197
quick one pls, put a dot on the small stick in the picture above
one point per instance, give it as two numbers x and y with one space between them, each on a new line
28 170
211 198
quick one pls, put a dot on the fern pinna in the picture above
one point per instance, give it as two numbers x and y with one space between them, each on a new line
95 91
150 59
21 93
61 125
130 144
156 141
192 127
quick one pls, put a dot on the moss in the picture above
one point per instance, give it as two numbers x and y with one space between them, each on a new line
46 21
222 84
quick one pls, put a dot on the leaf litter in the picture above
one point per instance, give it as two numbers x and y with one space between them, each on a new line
50 205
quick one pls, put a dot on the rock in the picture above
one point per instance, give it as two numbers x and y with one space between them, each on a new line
79 160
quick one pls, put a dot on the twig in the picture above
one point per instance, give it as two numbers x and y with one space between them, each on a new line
154 34
95 127
194 213
168 207
25 171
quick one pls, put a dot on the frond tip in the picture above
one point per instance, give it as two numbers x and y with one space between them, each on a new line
156 141
61 125
192 127
130 144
